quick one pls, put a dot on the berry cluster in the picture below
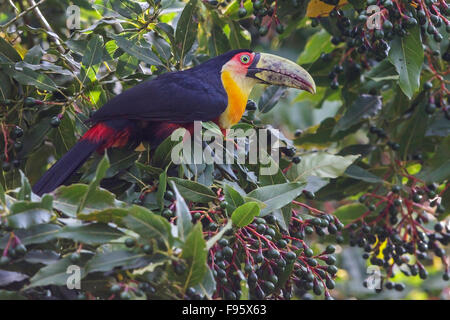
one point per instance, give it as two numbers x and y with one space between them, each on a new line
394 231
395 19
264 10
14 249
275 263
12 134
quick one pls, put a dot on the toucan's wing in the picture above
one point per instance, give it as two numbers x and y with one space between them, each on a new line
173 97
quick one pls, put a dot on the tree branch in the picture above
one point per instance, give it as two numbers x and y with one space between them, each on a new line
20 15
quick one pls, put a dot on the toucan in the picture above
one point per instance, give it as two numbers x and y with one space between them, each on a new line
216 90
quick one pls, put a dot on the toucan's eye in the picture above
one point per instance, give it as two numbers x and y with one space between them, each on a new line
245 58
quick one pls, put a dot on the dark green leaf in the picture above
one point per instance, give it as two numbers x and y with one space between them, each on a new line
194 252
270 98
364 107
193 191
8 52
161 189
107 261
141 53
349 212
356 172
94 233
186 31
320 164
36 79
8 277
148 225
406 55
56 273
184 218
277 196
232 197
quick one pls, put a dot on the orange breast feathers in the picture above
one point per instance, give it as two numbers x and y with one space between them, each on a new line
238 88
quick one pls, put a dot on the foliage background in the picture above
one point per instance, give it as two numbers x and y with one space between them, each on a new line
52 78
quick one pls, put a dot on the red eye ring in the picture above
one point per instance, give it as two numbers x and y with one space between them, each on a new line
245 59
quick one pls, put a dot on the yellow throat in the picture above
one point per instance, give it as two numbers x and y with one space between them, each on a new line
238 88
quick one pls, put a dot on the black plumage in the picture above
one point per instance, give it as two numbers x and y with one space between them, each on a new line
176 97
149 111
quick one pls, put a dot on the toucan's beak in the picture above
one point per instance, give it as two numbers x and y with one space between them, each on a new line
271 69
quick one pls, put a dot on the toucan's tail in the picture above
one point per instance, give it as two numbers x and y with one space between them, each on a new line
65 167
113 133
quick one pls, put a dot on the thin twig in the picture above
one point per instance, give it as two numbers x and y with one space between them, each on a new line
20 15
46 25
14 6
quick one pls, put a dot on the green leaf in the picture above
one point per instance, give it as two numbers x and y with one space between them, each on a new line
437 169
45 257
184 218
56 273
64 136
237 39
323 134
356 172
211 126
93 233
406 54
141 53
34 55
94 51
2 196
207 286
364 107
148 225
244 214
161 45
277 196
35 136
5 86
349 212
95 183
127 65
162 156
186 31
410 134
114 215
41 233
270 98
127 8
218 41
283 216
8 52
9 277
152 171
321 164
67 199
107 261
36 79
161 189
232 197
194 191
29 218
439 126
194 253
25 188
317 44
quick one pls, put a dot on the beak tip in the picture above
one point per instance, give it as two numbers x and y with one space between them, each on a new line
311 88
